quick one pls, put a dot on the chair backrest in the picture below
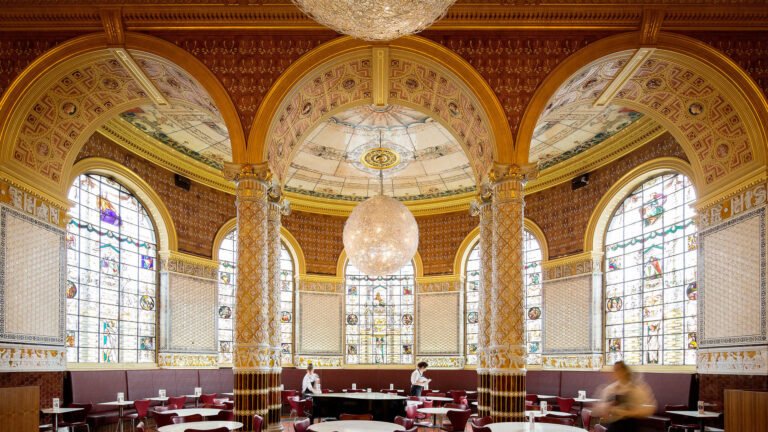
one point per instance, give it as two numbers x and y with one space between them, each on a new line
480 428
142 407
586 418
412 411
215 406
179 401
346 416
164 419
565 404
225 415
532 397
301 425
557 420
428 404
481 421
416 398
457 395
405 422
188 419
140 427
77 416
230 405
326 390
207 398
257 422
459 419
295 403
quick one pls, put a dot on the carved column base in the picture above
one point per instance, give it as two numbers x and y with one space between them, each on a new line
483 393
252 396
275 402
507 395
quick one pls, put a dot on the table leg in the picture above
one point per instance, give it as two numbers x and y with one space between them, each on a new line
56 422
120 417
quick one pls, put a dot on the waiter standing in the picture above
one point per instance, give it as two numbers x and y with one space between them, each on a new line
310 381
418 381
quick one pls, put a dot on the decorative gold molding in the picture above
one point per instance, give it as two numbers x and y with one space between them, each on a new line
732 205
110 366
380 75
627 72
321 284
452 278
112 21
628 140
32 202
425 207
759 175
572 265
418 265
178 262
138 74
650 26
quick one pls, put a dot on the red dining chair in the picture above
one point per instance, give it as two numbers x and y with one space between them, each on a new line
140 427
679 422
366 417
142 411
225 415
565 404
457 395
301 425
164 419
230 405
178 401
481 421
76 419
326 391
188 419
297 406
221 429
405 422
416 398
257 422
428 404
207 398
215 406
567 421
458 420
532 398
586 419
455 406
480 428
412 412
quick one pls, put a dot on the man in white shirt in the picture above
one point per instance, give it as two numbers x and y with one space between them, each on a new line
625 401
310 381
418 381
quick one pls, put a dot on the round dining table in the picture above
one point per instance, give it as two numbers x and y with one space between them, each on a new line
355 426
206 425
205 412
537 427
434 412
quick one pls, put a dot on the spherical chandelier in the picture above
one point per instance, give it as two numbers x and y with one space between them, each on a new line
375 20
381 234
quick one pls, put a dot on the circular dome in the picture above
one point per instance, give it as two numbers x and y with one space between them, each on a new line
380 236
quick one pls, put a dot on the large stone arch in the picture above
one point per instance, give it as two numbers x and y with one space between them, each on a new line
54 105
711 106
421 75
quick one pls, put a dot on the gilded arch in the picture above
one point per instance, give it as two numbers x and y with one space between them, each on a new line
422 75
711 106
54 105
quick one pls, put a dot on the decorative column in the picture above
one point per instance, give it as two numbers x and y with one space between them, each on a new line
276 208
507 337
482 208
253 357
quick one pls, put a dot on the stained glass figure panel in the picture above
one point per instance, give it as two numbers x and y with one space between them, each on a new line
379 317
650 280
111 275
228 287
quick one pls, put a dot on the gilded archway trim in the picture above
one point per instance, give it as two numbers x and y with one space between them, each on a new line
415 47
469 242
294 248
166 230
35 79
341 265
715 67
601 215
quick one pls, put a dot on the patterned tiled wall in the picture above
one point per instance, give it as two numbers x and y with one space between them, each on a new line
712 387
196 229
563 214
320 307
439 323
51 384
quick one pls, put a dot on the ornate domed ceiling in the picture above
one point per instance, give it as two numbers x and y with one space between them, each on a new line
339 159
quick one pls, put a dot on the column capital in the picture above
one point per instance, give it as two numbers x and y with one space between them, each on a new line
482 202
278 205
501 173
236 172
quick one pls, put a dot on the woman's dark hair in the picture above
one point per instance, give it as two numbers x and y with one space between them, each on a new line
422 365
624 368
310 367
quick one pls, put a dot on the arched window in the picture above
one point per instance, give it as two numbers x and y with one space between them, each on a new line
379 317
532 268
227 287
111 275
650 278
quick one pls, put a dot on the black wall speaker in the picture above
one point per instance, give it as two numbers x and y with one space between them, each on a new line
580 181
182 182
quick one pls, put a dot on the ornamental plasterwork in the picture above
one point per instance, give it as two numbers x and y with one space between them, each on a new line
19 358
583 263
443 362
321 362
752 361
188 265
184 360
580 361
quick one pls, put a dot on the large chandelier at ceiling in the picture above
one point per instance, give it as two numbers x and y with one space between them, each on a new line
375 20
381 234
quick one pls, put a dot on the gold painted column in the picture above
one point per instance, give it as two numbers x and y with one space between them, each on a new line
252 353
276 208
506 356
482 208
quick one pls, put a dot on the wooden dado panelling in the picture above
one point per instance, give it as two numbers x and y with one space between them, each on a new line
746 411
19 409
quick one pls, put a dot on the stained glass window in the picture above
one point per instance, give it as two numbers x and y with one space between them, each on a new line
111 275
532 251
379 317
227 286
650 277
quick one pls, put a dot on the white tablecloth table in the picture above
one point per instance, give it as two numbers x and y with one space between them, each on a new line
161 399
355 426
205 412
438 398
206 425
120 406
195 397
701 418
538 413
56 412
537 427
434 412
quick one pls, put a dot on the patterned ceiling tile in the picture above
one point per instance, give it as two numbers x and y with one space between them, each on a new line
329 162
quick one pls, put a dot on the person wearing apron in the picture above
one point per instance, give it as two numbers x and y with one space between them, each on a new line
418 381
310 381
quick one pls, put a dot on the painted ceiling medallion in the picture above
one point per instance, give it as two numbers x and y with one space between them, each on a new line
380 158
375 20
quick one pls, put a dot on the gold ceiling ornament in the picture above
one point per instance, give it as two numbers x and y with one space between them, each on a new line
381 235
380 158
375 20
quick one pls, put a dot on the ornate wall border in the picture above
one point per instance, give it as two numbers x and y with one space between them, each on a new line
743 340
